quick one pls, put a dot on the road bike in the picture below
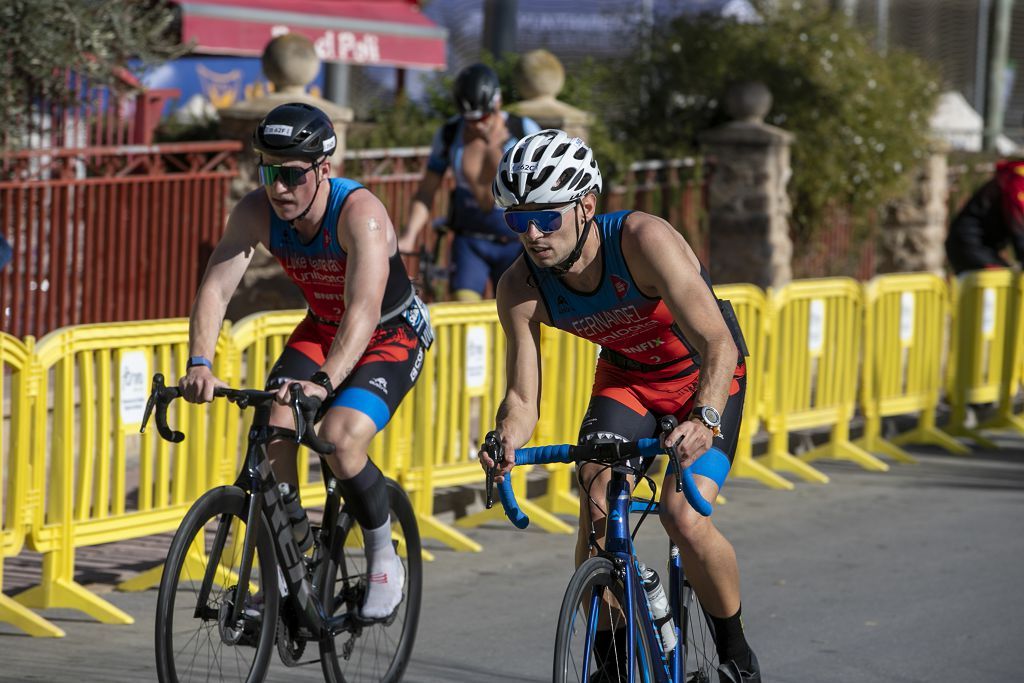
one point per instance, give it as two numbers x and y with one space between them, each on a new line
235 583
612 577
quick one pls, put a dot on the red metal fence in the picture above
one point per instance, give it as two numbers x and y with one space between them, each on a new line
109 233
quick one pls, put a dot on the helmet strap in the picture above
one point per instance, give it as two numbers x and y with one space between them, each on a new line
309 206
563 267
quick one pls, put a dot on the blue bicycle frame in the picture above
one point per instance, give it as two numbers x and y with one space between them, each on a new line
650 655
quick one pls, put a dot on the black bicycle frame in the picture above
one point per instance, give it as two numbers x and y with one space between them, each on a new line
257 478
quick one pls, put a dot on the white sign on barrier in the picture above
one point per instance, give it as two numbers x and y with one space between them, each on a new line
476 357
988 313
133 389
906 318
816 326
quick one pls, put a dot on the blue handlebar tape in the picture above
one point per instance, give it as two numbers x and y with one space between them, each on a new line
543 455
714 465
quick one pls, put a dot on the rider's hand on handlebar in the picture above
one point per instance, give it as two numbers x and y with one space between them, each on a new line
284 396
487 462
691 439
198 384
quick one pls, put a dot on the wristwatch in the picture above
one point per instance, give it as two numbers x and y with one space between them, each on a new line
194 361
323 379
710 419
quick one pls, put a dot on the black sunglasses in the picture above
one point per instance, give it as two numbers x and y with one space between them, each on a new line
291 176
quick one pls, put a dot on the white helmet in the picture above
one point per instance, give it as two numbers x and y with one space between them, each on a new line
547 167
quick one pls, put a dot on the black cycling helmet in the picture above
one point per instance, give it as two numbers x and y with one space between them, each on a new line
295 130
476 90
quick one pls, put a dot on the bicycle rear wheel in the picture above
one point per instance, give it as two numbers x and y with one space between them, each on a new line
699 635
195 639
379 651
597 573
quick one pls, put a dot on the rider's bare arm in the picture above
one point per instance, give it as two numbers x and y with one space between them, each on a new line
664 265
520 313
419 211
367 236
246 228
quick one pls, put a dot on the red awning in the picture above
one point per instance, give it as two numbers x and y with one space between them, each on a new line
382 32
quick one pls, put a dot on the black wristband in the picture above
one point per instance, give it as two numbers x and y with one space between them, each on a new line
323 379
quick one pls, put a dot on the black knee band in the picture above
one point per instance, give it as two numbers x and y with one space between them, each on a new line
366 496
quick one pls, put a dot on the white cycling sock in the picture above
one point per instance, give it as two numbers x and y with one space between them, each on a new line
385 573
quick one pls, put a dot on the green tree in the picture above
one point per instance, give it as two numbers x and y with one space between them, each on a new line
860 117
42 41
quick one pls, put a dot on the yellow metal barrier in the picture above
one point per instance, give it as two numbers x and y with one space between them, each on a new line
985 348
814 352
1013 369
905 334
16 505
567 378
751 308
96 479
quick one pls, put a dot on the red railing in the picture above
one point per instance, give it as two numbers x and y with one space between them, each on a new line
672 189
109 233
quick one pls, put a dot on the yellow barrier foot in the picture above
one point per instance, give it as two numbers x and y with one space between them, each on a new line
933 436
974 435
749 468
144 581
560 503
538 517
788 463
431 527
1013 422
64 593
844 450
27 620
877 444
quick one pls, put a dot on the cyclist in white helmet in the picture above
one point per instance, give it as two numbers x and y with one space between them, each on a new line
630 283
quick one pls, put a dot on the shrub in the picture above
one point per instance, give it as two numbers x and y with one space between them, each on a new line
860 117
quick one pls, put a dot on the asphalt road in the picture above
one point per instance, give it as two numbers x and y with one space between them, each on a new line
911 575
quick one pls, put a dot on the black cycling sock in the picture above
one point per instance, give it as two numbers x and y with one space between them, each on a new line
610 652
366 496
730 641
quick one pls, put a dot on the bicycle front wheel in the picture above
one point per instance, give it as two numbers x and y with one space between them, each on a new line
699 635
595 585
379 651
196 639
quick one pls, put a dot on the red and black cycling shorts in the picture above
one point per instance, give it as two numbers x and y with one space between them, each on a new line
626 405
383 376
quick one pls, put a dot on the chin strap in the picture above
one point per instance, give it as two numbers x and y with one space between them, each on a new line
302 215
574 256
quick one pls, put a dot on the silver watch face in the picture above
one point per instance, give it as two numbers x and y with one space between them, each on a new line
710 416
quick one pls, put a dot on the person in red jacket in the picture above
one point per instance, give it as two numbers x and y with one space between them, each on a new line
990 221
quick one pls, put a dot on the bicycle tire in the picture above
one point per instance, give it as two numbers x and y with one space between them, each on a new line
380 651
189 647
697 630
570 637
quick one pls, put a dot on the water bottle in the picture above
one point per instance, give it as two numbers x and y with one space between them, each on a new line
296 515
659 606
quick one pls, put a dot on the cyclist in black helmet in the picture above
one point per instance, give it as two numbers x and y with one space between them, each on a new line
471 144
360 347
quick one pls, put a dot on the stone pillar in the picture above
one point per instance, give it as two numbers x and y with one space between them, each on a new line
914 228
748 208
539 78
290 63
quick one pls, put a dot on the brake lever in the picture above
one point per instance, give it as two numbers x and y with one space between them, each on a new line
300 419
666 425
158 385
492 446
